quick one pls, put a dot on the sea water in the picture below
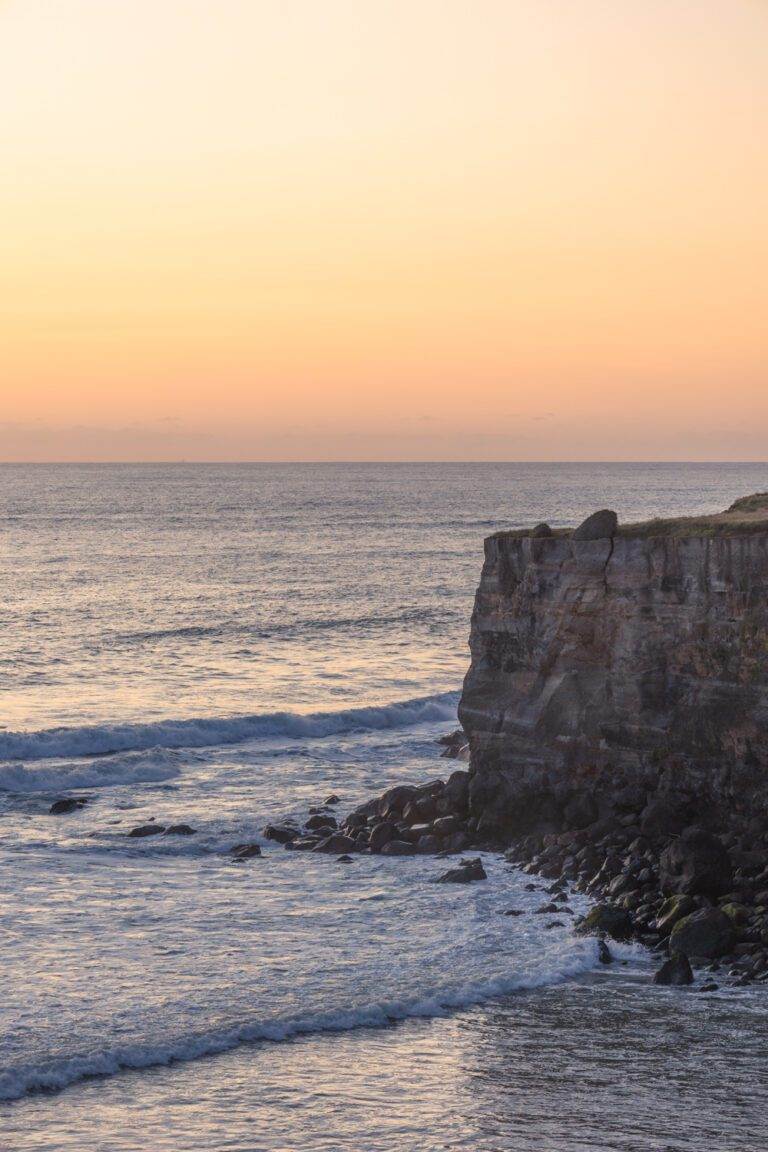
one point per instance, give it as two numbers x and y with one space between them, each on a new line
224 646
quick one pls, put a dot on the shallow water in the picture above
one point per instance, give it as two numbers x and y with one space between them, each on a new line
226 646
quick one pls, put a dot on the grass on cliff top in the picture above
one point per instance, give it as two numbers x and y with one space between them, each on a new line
747 515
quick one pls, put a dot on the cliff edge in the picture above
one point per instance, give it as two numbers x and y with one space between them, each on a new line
621 665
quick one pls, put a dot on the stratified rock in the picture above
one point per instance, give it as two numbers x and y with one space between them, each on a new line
599 526
675 971
465 873
707 933
608 918
147 830
695 864
637 661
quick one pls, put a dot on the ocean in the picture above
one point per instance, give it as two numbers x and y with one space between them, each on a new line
224 646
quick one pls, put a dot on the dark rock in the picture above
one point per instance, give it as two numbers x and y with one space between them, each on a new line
242 852
281 833
675 971
180 830
695 863
547 908
554 924
445 826
395 799
457 791
604 954
68 804
380 835
321 821
398 848
708 986
465 873
608 918
708 933
147 830
337 842
599 526
541 531
662 816
345 860
426 845
673 910
332 799
513 912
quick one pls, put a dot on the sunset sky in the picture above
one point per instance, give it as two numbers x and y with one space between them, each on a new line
383 229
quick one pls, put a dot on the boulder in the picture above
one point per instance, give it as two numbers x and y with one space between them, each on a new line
281 833
242 852
381 834
395 799
68 804
608 918
321 821
673 910
465 873
147 830
600 525
707 933
457 791
696 863
445 826
180 830
604 954
337 843
398 848
428 844
332 799
676 970
541 531
662 816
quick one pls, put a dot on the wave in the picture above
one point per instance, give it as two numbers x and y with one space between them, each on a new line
130 768
418 616
101 740
59 1074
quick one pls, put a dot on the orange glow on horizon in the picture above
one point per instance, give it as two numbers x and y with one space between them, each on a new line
385 230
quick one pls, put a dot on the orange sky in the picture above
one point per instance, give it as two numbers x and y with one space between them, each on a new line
383 229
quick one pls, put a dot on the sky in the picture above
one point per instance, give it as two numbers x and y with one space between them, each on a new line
383 229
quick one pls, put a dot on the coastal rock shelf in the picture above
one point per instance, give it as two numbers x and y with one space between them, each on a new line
619 663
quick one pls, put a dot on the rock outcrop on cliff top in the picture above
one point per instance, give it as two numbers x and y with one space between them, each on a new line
624 667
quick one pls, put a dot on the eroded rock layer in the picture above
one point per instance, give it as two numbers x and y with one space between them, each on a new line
625 670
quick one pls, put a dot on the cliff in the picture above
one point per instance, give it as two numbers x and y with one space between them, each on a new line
620 666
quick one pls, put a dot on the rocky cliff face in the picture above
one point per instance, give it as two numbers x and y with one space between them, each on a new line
629 669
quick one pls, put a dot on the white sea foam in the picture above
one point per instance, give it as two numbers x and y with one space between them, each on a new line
110 1060
128 768
100 740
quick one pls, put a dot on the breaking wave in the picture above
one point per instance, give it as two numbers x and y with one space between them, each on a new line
60 1073
104 739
